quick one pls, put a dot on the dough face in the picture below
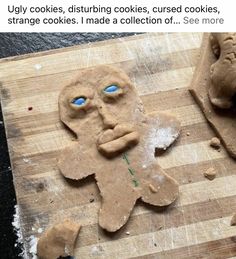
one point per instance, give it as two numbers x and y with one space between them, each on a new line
116 143
103 119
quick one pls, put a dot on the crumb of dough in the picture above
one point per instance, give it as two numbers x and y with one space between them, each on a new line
152 188
188 133
233 220
215 143
210 173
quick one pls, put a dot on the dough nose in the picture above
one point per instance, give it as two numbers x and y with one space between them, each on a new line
108 119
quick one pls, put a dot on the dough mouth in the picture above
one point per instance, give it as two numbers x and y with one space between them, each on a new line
114 141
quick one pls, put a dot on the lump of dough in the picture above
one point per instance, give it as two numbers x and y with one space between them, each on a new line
215 143
58 241
233 220
210 173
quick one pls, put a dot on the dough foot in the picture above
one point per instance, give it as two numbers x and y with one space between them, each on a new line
158 188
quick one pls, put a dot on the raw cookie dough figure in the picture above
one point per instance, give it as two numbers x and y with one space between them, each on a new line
219 85
116 142
223 71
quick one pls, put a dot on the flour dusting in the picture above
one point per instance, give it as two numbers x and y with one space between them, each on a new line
33 246
31 242
158 138
97 250
163 137
18 231
40 230
16 224
37 66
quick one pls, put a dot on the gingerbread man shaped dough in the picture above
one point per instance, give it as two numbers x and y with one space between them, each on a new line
116 143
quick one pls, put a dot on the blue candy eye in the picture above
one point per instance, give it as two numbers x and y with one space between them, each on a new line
79 101
111 89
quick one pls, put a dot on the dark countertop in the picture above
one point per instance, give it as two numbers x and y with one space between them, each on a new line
12 44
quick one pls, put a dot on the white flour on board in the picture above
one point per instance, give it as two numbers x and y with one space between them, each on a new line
33 246
18 231
32 240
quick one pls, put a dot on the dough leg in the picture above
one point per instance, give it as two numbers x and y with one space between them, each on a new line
157 187
116 208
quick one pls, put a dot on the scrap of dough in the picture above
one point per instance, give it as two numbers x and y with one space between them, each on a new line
233 220
58 240
210 173
222 121
215 143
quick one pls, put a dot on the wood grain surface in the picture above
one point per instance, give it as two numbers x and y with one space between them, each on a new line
161 65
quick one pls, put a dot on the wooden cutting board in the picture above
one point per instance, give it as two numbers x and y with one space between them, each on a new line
161 66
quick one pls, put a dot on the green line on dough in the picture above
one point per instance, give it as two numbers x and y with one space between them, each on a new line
135 183
131 171
125 157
